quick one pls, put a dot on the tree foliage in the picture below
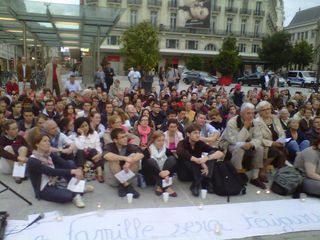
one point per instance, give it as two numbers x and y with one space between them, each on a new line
276 50
141 46
194 62
302 54
228 60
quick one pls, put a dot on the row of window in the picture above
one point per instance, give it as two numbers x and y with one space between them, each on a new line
190 44
303 35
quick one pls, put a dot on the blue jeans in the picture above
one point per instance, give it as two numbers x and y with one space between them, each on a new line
55 194
293 147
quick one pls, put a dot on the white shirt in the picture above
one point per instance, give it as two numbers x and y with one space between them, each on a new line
73 86
137 75
24 68
90 141
131 75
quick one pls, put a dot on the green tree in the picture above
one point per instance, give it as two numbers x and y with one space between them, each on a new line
141 46
228 60
276 50
194 62
302 54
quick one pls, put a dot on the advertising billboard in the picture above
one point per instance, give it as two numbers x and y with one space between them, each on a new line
193 13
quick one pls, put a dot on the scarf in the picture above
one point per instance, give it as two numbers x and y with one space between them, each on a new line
159 156
177 137
144 134
46 160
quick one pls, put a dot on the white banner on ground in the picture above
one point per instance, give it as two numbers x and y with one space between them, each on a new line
196 222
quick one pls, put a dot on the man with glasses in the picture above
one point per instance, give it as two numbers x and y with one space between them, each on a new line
122 156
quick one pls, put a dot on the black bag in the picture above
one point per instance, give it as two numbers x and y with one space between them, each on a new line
226 180
287 180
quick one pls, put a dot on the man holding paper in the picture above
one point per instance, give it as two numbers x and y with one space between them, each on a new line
14 148
123 160
242 137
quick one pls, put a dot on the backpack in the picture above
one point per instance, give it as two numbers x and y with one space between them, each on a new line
226 180
287 180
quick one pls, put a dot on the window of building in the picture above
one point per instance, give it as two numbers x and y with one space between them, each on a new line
191 44
255 48
313 34
210 47
245 4
229 25
172 43
213 23
258 7
298 36
230 3
133 17
113 40
256 28
306 35
242 47
173 20
302 35
243 26
154 18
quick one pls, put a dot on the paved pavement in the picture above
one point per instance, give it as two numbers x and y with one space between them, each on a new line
18 209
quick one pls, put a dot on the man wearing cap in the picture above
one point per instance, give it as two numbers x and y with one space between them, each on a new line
237 97
72 85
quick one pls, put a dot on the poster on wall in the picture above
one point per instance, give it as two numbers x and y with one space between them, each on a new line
194 13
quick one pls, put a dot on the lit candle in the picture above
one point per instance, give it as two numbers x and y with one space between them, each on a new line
267 191
200 207
258 192
217 228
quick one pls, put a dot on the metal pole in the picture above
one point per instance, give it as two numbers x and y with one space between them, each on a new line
318 56
36 55
98 47
24 40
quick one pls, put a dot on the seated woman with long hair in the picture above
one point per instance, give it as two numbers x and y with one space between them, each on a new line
89 147
159 162
43 175
144 130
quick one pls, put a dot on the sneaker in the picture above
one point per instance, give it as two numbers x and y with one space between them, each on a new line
130 189
18 180
88 188
77 200
256 182
122 191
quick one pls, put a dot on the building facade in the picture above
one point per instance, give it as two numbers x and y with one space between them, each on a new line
305 25
196 27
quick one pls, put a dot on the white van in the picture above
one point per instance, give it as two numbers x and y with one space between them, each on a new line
302 78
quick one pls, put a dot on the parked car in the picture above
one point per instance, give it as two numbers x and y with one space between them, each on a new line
302 78
251 79
199 76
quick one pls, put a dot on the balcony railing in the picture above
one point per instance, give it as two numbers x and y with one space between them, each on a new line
258 13
134 2
115 1
245 11
154 3
231 10
216 8
172 4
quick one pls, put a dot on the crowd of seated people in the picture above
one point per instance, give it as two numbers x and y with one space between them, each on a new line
157 135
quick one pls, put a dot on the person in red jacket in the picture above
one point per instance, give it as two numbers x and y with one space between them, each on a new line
12 87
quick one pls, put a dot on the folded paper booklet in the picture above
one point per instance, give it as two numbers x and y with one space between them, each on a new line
124 176
19 170
167 183
283 140
76 185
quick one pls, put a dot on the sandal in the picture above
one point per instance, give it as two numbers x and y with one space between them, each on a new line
158 191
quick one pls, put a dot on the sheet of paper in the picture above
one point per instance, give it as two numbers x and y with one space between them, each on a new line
19 170
123 176
76 185
167 183
283 140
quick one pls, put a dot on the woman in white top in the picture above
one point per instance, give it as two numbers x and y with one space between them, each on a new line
159 163
89 147
172 136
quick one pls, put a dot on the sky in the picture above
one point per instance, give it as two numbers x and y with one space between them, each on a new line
292 6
